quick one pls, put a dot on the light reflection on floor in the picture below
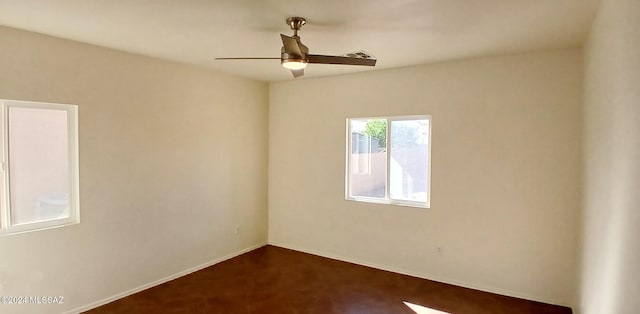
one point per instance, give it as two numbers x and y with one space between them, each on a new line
419 309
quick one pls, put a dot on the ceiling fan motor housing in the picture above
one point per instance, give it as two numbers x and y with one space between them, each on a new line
294 56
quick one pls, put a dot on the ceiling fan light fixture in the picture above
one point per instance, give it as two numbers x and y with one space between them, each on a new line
294 64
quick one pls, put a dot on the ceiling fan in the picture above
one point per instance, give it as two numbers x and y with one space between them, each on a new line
295 56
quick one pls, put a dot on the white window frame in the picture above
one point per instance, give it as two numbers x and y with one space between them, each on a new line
387 199
72 139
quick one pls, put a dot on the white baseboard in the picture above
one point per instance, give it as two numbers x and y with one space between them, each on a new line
423 276
162 280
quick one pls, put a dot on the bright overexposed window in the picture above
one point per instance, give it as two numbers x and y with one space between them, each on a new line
388 160
39 186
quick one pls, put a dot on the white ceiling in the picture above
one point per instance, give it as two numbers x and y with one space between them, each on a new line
398 32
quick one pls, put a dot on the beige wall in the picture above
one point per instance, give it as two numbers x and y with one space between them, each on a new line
611 256
172 158
506 135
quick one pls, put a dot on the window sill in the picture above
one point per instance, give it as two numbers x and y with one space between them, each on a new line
390 202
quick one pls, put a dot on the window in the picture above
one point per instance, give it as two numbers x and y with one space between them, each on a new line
388 160
39 173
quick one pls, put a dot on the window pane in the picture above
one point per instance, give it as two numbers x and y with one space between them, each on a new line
38 165
409 164
367 171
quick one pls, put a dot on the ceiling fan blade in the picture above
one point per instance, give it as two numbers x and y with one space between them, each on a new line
248 58
340 60
297 73
291 45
